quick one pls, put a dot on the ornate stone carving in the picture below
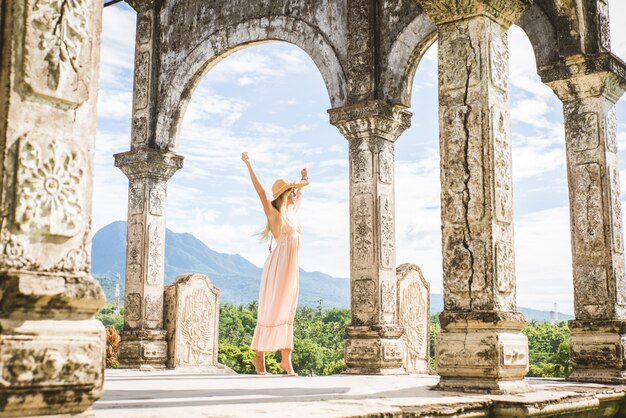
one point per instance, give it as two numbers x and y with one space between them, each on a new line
499 60
136 197
363 241
503 193
142 82
371 119
611 130
590 284
157 199
603 24
363 299
362 349
155 256
458 45
513 355
616 211
504 12
144 29
14 252
360 69
413 315
134 253
393 351
197 326
387 239
620 282
361 162
462 181
505 278
49 189
57 49
385 162
153 306
140 130
132 307
588 217
388 296
582 131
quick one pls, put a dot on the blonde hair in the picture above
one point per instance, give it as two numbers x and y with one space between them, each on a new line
278 204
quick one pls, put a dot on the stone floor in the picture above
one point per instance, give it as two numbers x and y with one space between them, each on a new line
131 393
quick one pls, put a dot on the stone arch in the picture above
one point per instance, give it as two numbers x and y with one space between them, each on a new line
542 35
404 57
176 91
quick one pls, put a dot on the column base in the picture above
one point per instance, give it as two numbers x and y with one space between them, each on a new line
374 349
143 349
50 366
495 387
597 351
482 352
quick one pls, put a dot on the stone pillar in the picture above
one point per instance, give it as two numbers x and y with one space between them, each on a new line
51 348
143 343
481 347
598 341
374 344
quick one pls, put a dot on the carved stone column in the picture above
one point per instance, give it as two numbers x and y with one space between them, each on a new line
51 348
481 347
589 90
143 341
374 344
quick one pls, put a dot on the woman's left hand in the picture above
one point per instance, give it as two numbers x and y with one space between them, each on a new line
305 173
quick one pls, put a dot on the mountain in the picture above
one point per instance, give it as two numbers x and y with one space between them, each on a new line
237 278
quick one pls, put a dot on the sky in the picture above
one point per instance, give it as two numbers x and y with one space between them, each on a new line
270 100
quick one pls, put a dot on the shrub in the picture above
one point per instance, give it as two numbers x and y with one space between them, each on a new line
112 343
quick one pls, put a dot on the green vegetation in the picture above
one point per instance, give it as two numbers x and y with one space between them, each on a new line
319 336
109 317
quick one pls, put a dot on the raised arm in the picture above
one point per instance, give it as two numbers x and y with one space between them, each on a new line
300 191
257 184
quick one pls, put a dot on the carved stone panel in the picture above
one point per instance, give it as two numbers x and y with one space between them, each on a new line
144 29
620 282
499 60
360 67
582 131
505 265
57 49
388 296
385 162
362 350
363 297
134 251
157 199
50 188
611 130
140 130
192 314
514 355
462 180
156 246
459 62
588 212
503 192
393 351
142 80
132 307
361 162
153 307
362 231
590 283
387 238
414 316
136 197
616 211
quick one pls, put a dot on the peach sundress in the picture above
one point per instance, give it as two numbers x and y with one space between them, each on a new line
278 293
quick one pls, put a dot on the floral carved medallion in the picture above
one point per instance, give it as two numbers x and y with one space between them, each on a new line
49 189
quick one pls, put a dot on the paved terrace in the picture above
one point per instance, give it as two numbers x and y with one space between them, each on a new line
132 393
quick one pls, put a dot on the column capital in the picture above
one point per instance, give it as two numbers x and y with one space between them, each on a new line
371 118
579 77
142 6
505 12
148 162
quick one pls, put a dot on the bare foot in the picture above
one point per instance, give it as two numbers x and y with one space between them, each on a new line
287 367
259 365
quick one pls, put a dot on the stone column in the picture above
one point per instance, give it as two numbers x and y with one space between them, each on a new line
481 347
51 348
598 341
374 344
143 343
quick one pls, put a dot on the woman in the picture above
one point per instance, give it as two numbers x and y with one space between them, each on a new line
278 294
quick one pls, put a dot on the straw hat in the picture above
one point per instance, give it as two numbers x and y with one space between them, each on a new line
281 185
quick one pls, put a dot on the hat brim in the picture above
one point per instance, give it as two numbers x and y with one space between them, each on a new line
288 186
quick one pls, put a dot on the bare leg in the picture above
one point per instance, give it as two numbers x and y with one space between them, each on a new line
259 362
285 362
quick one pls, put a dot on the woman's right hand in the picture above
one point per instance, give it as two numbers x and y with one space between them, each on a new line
245 157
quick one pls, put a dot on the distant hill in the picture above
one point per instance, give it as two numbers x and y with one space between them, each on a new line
237 278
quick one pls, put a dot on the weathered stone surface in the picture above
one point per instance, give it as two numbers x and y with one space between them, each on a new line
414 316
192 321
51 348
371 128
